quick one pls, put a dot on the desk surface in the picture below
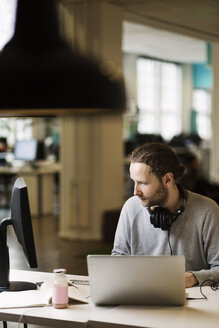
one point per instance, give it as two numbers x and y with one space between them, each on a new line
43 168
196 313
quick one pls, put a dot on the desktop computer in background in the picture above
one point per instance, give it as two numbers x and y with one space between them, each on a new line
3 150
29 150
25 150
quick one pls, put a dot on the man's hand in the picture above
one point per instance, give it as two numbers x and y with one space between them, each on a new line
190 280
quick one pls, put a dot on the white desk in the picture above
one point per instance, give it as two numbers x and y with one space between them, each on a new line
40 183
195 314
74 316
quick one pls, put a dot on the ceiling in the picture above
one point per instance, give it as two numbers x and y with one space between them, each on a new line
173 30
149 41
197 18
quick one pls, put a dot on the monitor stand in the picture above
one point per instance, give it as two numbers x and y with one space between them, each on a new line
5 284
16 286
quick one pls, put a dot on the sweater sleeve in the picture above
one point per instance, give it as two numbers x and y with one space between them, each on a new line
210 235
123 232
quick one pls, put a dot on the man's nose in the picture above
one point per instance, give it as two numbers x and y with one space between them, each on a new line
136 189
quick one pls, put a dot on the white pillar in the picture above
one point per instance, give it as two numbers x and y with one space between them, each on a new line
91 147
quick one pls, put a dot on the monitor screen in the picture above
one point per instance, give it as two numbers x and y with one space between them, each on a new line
21 221
25 150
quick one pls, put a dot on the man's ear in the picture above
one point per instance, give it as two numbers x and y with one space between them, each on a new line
168 178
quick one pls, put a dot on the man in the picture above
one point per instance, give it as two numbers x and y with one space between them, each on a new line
162 218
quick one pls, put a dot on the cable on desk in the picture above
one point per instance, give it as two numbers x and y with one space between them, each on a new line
211 283
31 309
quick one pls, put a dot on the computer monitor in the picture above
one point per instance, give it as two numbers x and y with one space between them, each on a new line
21 221
3 150
26 150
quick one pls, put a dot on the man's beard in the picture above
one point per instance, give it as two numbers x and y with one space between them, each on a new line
159 197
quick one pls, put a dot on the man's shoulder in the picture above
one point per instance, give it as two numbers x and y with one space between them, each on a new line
133 201
133 205
133 211
195 199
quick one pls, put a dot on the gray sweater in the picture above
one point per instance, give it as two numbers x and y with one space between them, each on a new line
195 234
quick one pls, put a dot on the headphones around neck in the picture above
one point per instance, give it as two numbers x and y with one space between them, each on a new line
162 218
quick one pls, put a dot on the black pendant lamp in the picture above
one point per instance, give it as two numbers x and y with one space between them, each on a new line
41 76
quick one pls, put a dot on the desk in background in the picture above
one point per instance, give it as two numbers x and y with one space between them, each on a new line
40 181
195 314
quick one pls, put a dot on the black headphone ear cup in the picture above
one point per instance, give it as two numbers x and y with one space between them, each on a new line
154 218
160 218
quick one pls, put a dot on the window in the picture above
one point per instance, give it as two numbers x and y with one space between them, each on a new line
14 128
202 108
159 97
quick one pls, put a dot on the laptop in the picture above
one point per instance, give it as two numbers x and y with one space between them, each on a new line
137 279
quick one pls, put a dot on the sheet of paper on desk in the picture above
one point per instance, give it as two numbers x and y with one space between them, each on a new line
39 297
